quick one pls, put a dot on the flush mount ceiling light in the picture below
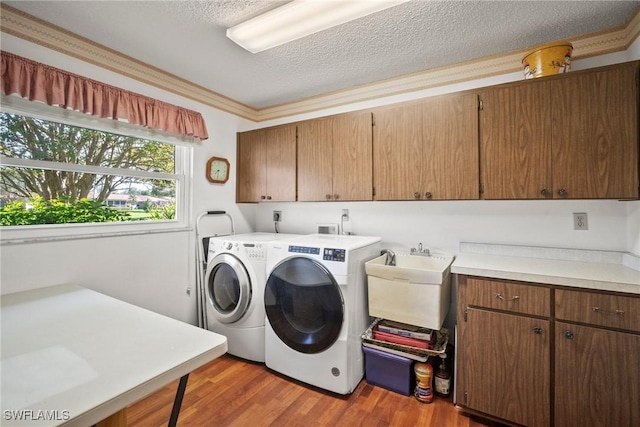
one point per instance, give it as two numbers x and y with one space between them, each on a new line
301 18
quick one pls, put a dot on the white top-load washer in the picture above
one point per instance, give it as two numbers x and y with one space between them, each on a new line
316 306
234 290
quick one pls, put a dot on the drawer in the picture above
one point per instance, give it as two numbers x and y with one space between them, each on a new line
509 296
615 311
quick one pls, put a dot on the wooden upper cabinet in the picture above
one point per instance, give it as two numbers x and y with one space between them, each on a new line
266 165
397 148
251 175
335 158
571 136
450 147
515 142
595 134
427 149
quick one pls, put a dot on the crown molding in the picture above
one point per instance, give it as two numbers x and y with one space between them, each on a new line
27 27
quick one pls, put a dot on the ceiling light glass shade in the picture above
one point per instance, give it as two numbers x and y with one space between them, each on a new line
301 18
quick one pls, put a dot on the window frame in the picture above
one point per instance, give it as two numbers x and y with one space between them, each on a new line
53 232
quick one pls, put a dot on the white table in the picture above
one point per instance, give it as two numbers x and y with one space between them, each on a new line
72 356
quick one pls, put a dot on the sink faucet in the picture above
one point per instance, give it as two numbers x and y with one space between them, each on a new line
391 257
420 251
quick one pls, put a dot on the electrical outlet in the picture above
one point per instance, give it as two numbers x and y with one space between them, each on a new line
345 214
277 216
580 221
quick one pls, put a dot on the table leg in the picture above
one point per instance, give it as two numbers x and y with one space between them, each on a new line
177 403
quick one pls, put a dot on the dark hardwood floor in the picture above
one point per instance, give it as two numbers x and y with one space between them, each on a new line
233 392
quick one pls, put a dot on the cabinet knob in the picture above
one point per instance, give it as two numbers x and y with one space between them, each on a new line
328 196
545 193
562 192
428 195
262 197
537 330
568 335
336 196
416 195
268 197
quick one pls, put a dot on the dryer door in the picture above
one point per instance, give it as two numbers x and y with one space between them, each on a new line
304 305
228 288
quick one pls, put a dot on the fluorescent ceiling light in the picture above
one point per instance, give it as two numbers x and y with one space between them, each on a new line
301 18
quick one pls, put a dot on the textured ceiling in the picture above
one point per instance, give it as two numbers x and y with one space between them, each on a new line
187 39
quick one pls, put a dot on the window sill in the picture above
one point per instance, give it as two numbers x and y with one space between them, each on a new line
49 233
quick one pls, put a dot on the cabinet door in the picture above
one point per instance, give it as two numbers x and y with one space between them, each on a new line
281 163
251 175
595 134
515 147
315 160
352 157
597 377
397 152
450 150
503 366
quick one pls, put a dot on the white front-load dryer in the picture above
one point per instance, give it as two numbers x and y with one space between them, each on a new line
316 306
234 291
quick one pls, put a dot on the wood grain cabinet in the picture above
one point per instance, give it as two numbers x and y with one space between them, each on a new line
573 136
597 362
427 150
544 355
503 350
266 160
335 158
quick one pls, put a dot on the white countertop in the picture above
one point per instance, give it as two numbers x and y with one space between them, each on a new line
83 356
606 271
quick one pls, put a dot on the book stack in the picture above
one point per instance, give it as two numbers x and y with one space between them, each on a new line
403 334
413 342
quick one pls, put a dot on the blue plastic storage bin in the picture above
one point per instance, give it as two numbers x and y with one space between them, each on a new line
388 370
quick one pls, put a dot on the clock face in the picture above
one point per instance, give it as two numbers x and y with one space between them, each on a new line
218 170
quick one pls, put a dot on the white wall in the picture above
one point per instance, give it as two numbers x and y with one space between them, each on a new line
442 225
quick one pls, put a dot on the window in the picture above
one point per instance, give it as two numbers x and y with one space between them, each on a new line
62 169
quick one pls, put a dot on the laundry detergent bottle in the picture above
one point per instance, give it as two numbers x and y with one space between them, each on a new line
424 379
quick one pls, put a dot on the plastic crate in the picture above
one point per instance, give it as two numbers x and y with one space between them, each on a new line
388 370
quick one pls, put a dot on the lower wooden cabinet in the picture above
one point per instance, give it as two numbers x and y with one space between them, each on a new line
597 380
544 355
505 366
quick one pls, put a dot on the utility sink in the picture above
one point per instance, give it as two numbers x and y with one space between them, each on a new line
431 269
416 291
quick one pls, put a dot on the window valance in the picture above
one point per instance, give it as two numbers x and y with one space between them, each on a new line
39 82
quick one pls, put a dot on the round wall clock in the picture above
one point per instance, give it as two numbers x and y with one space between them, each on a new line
218 170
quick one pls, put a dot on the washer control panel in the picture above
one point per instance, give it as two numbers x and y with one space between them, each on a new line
334 255
256 251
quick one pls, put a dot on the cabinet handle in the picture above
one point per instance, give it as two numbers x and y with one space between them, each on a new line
568 335
428 195
416 195
599 310
562 192
513 298
336 196
537 330
544 192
